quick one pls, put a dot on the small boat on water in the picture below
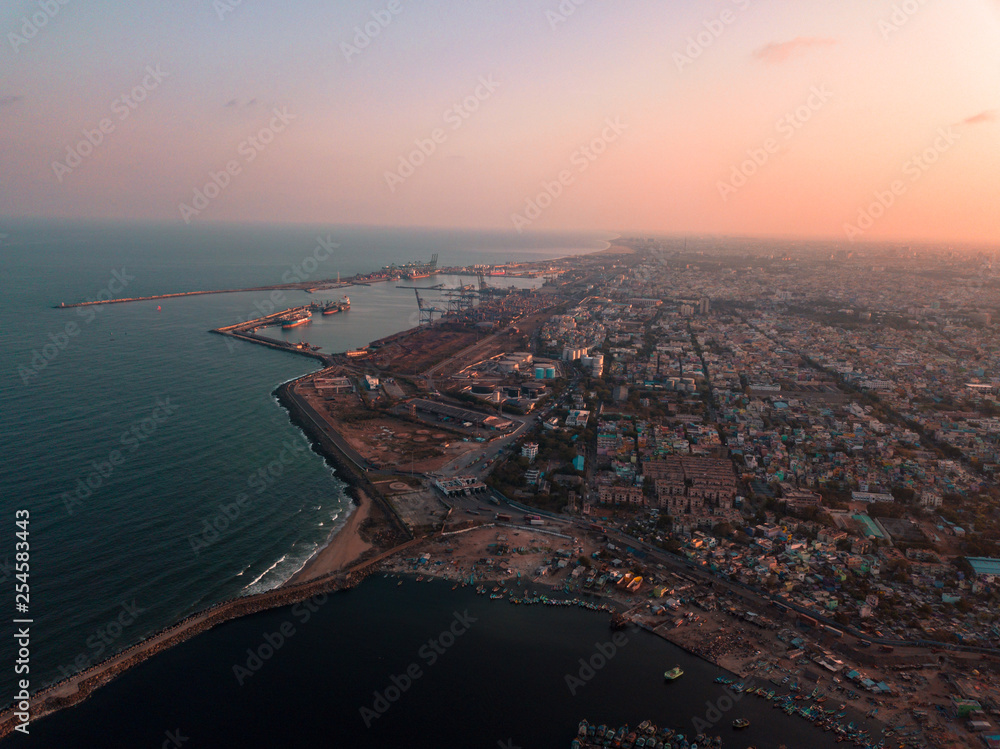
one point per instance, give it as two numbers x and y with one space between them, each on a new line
740 723
673 674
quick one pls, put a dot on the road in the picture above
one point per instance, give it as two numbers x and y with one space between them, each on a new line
474 463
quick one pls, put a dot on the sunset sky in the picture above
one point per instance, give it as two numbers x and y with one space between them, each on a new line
834 99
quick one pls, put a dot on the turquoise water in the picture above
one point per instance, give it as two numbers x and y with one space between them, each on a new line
199 487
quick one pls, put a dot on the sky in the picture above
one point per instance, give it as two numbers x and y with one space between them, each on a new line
842 119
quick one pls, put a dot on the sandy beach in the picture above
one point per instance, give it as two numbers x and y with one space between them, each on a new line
345 547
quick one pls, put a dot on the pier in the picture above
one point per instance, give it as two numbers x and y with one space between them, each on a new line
306 286
243 331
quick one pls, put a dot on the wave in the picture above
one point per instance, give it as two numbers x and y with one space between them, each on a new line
302 563
267 570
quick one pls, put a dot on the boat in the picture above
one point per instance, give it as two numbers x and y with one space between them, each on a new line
675 673
334 307
740 723
293 321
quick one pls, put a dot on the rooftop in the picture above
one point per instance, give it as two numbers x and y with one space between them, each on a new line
985 565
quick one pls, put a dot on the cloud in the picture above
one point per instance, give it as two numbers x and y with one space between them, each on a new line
778 52
989 115
6 101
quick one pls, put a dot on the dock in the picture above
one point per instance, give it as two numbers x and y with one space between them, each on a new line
306 286
244 331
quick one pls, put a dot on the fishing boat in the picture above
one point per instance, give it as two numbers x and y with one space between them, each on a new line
740 723
673 674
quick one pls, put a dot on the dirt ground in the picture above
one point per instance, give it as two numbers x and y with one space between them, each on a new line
468 549
426 347
387 441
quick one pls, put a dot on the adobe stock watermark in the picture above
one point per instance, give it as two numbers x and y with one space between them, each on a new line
581 158
38 20
787 126
454 117
122 107
60 340
102 638
298 273
915 167
223 8
364 34
604 653
249 149
902 14
272 642
713 29
429 653
174 739
137 434
715 710
216 525
563 11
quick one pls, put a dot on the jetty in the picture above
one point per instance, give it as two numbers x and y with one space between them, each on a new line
306 286
246 331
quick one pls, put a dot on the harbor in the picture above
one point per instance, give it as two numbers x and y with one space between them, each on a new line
368 420
381 619
247 331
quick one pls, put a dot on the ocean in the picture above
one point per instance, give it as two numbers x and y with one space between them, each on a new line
162 476
160 473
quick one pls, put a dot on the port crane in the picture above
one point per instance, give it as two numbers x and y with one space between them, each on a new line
426 311
462 299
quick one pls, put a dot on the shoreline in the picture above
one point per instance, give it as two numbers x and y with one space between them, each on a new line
343 546
340 563
752 670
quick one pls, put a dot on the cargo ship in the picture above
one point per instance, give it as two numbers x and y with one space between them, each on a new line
334 307
295 321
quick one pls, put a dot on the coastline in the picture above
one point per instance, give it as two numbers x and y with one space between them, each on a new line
340 563
746 657
343 547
